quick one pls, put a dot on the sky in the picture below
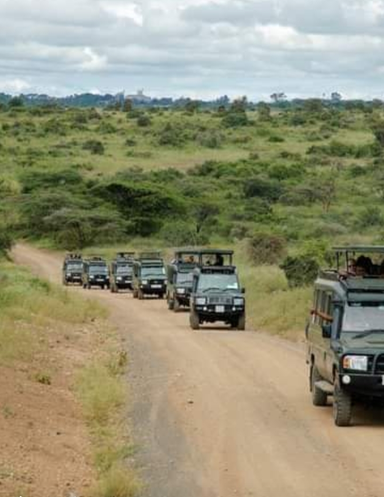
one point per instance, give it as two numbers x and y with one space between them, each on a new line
194 48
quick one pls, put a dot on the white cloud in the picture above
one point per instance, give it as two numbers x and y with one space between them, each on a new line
202 47
14 86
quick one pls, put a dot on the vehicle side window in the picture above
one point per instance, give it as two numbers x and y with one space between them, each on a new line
324 305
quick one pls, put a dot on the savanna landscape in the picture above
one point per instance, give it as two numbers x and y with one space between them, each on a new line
280 184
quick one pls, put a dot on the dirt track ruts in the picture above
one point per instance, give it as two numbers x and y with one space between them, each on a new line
218 413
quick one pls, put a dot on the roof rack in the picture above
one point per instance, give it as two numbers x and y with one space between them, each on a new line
149 255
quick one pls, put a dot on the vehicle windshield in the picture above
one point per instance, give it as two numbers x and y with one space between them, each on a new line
363 316
184 278
98 270
74 266
152 271
218 281
124 270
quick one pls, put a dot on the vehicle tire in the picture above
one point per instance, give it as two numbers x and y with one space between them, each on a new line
319 398
170 303
84 285
161 296
241 323
135 294
140 295
342 407
176 305
194 320
102 287
88 286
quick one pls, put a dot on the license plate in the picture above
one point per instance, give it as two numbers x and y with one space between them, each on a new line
220 309
155 286
100 279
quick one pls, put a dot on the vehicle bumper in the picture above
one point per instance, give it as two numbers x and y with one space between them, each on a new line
365 385
209 313
73 279
150 290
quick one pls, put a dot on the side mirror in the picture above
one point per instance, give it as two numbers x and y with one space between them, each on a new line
243 291
327 330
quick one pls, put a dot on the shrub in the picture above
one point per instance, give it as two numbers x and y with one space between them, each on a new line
369 217
94 146
266 248
301 270
276 139
6 240
235 120
143 121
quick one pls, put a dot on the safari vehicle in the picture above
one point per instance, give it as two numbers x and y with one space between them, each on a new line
345 333
180 278
72 269
95 273
216 292
149 276
121 272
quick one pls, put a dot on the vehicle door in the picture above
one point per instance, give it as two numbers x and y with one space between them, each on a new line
318 344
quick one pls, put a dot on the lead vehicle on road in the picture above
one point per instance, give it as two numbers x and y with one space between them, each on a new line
345 333
72 269
216 293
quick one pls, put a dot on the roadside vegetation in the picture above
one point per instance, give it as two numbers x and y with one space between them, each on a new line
280 185
62 374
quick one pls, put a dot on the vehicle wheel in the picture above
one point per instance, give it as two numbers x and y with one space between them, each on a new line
241 323
170 303
84 286
176 305
194 320
88 286
140 295
102 287
342 407
135 294
161 296
319 398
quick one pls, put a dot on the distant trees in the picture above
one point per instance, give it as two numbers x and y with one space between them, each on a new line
278 97
264 111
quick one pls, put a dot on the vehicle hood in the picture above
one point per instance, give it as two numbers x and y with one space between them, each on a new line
371 344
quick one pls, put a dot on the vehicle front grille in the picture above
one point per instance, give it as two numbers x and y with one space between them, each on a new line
156 282
220 300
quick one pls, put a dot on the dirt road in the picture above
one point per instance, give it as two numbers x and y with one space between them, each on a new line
221 413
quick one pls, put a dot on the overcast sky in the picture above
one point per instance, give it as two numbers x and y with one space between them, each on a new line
197 48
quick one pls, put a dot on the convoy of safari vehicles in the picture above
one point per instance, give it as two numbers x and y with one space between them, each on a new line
345 333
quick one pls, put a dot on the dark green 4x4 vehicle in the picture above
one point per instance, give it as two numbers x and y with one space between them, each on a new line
121 272
345 333
180 278
72 269
95 273
149 276
216 293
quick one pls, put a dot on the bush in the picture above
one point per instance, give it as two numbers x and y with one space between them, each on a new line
235 120
182 233
6 240
369 217
143 121
94 146
301 270
266 248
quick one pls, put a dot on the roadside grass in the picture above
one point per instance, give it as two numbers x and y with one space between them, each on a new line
26 302
29 310
271 305
101 390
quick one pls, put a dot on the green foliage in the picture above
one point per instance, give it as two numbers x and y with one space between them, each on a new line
16 102
301 270
6 240
144 121
266 248
370 216
94 146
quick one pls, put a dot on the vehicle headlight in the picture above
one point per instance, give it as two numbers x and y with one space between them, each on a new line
238 302
356 362
201 301
119 278
91 277
69 274
181 290
144 282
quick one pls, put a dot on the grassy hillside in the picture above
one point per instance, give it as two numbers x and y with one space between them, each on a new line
271 184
